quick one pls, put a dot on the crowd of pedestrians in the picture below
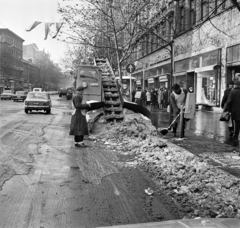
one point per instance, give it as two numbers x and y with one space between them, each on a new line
156 97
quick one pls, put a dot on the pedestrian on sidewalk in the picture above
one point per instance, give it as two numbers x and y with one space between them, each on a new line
78 126
223 103
233 106
177 99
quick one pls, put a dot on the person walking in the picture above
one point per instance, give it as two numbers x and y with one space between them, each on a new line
148 95
133 95
78 126
224 101
226 93
233 106
177 99
165 97
160 98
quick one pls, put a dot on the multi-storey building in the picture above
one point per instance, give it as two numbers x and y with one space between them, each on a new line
10 59
201 48
32 52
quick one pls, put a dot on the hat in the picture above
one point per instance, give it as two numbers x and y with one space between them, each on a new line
231 83
80 88
237 82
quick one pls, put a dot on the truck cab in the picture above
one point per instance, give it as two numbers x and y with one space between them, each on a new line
90 77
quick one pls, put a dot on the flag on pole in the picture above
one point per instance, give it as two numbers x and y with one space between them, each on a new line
34 25
58 27
47 29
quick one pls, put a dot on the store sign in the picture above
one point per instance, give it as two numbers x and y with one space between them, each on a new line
124 86
150 80
210 58
233 54
161 56
94 84
194 62
138 82
163 78
181 66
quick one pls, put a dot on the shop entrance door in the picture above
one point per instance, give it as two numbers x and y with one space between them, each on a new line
191 80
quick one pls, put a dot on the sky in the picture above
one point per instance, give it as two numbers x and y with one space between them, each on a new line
18 15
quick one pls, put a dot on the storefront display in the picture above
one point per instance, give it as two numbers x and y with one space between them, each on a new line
233 63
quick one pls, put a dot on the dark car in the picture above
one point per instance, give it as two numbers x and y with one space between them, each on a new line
62 92
69 93
38 101
20 96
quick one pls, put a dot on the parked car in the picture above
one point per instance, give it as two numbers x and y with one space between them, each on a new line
37 89
62 92
38 101
7 95
69 93
20 95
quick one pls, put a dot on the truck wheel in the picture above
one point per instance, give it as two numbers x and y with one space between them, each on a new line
26 111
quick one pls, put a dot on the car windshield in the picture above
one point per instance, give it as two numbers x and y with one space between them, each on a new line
37 96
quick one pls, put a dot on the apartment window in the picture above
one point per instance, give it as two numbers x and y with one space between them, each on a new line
223 4
170 28
192 12
182 18
204 9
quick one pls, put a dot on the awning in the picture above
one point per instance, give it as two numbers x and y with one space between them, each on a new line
207 68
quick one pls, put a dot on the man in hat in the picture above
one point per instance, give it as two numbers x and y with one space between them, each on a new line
78 126
233 106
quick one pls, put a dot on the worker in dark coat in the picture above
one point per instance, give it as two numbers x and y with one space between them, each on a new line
226 93
177 99
233 106
224 101
79 126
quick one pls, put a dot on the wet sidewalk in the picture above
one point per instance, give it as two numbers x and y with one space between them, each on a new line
205 136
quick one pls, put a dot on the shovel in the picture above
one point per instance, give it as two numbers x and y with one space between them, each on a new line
164 131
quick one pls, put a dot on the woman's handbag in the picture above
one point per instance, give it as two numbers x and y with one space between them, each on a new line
225 116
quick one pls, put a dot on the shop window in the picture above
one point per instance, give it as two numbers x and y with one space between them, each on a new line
182 18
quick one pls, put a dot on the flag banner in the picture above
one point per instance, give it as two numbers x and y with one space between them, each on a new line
58 27
34 25
47 29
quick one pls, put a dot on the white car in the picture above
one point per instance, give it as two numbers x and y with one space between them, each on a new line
38 101
37 89
7 95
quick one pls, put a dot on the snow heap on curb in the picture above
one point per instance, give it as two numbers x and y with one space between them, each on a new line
199 189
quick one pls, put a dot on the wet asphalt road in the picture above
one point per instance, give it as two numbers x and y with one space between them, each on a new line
205 136
46 182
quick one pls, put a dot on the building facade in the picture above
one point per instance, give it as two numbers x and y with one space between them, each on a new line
32 52
11 52
204 52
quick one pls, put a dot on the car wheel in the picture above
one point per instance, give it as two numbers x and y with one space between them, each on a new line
26 111
48 111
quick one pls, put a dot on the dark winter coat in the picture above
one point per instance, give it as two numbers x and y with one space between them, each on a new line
233 103
225 97
78 122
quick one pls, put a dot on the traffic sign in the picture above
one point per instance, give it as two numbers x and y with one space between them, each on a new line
130 68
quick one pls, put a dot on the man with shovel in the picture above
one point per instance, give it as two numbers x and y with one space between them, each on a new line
177 100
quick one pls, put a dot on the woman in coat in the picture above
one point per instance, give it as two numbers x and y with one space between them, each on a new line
79 126
233 106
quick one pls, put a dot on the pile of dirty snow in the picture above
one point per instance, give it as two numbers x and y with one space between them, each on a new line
199 189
